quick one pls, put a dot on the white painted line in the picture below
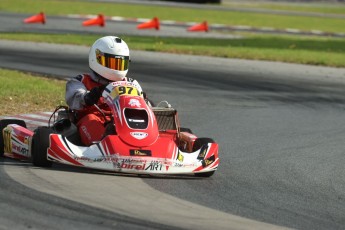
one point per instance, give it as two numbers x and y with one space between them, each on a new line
117 18
291 30
142 20
267 29
242 27
229 27
218 26
32 120
168 22
316 32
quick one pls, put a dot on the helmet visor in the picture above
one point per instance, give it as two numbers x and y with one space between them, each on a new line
111 61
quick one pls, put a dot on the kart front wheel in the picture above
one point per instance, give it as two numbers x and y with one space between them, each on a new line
40 145
3 124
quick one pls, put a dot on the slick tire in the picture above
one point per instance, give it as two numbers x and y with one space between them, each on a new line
197 145
3 124
40 144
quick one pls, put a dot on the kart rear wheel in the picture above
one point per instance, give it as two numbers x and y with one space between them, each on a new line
40 144
197 145
3 124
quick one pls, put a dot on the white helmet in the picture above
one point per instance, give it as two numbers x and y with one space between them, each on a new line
109 57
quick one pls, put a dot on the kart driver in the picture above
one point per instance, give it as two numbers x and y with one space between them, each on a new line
108 61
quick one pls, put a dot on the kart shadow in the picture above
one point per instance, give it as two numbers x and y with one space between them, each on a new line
75 169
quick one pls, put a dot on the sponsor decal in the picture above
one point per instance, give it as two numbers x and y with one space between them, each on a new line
125 165
138 164
144 166
7 140
19 149
139 135
106 159
180 165
26 140
85 159
180 157
87 134
132 161
134 102
154 166
203 152
134 152
208 161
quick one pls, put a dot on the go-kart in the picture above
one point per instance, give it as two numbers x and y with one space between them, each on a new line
144 140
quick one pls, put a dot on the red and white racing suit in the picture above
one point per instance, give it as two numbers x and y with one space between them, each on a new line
90 121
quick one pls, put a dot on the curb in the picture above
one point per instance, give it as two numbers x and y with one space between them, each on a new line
32 120
219 27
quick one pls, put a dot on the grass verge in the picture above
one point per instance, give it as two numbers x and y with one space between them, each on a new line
55 7
24 93
303 50
310 7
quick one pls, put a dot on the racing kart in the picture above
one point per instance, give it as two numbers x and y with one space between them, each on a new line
144 140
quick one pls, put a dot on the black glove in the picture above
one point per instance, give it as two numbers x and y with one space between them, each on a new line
93 96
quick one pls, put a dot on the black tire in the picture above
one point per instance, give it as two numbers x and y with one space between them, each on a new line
3 124
204 174
187 130
40 144
197 145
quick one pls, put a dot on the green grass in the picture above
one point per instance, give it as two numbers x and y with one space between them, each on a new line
324 8
304 50
24 93
55 7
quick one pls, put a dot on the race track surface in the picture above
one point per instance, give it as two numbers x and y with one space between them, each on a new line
67 24
280 128
281 133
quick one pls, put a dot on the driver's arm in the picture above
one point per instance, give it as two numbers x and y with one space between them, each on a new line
75 93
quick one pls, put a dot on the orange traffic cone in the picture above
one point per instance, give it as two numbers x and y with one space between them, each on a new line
154 23
38 18
199 27
98 21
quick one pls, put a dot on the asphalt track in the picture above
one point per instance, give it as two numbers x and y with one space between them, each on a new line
13 22
281 133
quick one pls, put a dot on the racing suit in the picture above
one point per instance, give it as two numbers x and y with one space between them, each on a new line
89 119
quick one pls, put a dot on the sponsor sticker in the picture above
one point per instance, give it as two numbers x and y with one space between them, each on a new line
140 166
203 152
208 161
134 102
154 166
180 157
135 152
139 135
